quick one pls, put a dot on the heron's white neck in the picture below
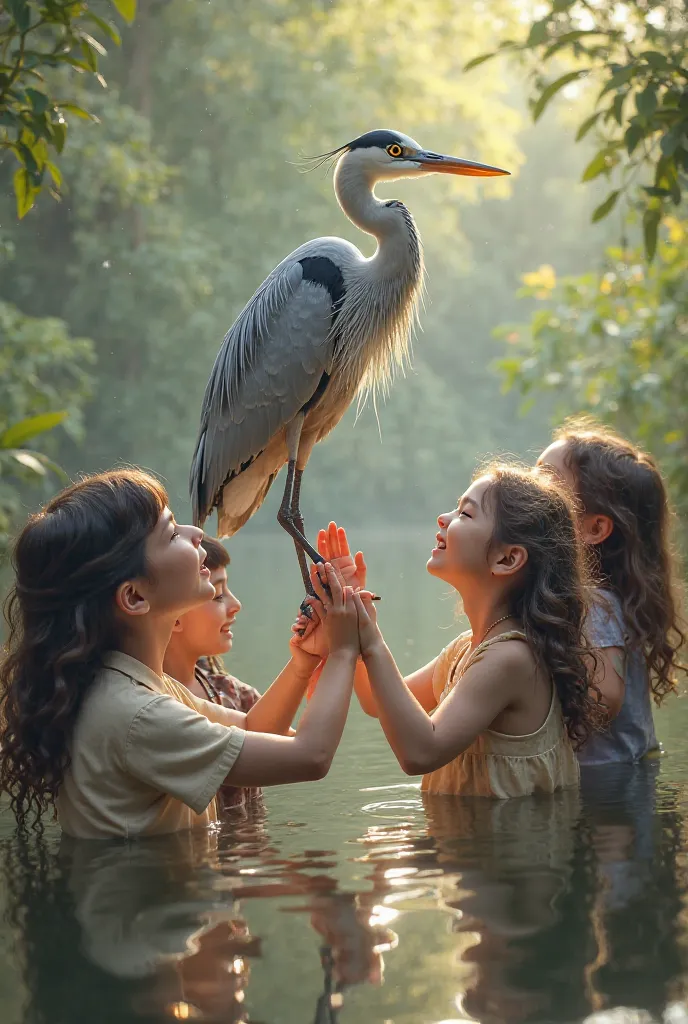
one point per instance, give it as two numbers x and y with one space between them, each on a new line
398 241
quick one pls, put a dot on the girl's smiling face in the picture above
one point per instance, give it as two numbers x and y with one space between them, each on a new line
206 630
464 537
176 577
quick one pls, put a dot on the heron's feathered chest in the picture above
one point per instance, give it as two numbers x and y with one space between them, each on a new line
373 326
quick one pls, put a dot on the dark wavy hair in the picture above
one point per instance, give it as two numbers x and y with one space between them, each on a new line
68 560
550 595
617 479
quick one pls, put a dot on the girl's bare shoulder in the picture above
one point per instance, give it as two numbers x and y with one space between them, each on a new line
513 655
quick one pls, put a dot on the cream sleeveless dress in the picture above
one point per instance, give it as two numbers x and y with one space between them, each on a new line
498 764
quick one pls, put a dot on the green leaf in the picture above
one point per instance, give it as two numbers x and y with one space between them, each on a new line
587 125
617 107
23 431
29 460
80 65
553 88
606 207
621 77
36 461
634 133
55 174
105 26
598 165
646 101
566 40
59 129
93 43
127 8
659 193
24 191
27 157
651 219
39 101
21 12
538 32
71 108
477 61
90 55
670 142
656 60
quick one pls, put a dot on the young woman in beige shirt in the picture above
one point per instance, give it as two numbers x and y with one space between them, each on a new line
91 728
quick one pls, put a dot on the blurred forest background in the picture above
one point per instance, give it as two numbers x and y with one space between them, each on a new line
148 183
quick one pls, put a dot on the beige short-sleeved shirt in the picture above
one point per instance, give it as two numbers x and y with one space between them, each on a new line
147 756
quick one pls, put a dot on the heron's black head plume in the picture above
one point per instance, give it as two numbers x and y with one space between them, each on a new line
312 163
381 138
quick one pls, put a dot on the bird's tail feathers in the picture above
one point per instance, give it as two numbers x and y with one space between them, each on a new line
245 493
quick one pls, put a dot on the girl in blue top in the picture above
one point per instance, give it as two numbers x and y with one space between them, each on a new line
633 622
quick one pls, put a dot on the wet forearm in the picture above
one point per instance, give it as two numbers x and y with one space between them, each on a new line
363 690
407 726
275 710
322 723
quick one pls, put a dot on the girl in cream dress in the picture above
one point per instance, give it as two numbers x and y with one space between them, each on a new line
500 711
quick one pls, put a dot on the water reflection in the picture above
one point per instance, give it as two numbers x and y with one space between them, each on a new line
516 912
640 885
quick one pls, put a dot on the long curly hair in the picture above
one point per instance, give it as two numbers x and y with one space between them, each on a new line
617 479
68 560
550 595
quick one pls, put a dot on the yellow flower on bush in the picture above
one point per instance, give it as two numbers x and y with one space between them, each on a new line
544 280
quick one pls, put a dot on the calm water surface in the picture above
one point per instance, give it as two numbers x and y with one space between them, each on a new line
352 899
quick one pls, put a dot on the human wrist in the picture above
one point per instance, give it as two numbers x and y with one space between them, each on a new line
304 663
344 654
376 650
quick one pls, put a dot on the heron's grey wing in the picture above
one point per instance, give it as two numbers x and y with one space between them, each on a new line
269 366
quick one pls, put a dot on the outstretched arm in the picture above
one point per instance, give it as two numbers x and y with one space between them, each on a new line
422 742
275 710
333 545
273 760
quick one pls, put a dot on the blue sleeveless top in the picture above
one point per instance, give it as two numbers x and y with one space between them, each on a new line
631 735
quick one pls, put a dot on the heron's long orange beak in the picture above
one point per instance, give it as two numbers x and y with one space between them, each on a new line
453 165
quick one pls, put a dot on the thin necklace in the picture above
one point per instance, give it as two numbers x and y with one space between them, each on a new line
450 680
492 626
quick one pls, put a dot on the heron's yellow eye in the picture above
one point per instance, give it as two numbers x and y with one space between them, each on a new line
395 149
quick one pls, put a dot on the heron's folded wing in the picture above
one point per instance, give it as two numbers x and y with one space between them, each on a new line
270 364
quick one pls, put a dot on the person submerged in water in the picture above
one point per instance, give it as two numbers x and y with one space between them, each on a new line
194 654
634 622
90 725
500 710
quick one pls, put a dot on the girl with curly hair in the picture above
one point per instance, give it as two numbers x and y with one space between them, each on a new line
499 711
634 621
89 724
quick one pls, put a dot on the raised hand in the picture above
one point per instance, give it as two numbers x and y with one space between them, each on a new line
333 545
308 635
337 609
369 635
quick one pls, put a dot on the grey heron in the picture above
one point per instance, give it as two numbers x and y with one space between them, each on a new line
326 322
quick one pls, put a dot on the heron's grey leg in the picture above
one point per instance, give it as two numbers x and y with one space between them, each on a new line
286 520
297 519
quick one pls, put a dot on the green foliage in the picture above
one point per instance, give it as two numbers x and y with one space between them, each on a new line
615 343
44 383
632 56
189 192
43 44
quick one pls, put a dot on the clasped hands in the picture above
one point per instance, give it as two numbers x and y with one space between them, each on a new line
345 618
